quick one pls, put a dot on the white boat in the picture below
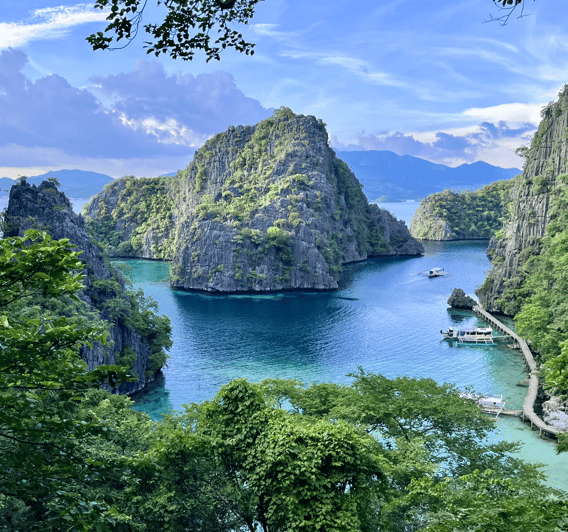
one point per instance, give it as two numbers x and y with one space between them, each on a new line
489 405
437 272
477 335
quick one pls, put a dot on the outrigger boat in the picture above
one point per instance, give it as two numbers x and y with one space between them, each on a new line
477 335
488 405
435 272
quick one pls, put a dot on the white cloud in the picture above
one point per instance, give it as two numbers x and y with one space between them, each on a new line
515 113
47 23
355 66
169 131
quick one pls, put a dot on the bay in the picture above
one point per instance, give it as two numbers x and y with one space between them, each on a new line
385 318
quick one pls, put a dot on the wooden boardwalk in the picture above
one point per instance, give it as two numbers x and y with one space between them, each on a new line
528 413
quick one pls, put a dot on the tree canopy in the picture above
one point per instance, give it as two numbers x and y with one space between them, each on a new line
188 26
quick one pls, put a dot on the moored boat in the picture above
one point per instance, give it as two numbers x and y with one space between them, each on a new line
477 335
489 405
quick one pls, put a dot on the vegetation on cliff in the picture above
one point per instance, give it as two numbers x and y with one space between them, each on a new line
539 299
265 207
467 215
141 207
529 277
138 337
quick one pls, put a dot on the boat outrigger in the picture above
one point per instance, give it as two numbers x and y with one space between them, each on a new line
477 335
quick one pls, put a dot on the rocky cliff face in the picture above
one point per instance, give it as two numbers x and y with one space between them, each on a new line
261 208
46 208
530 213
474 215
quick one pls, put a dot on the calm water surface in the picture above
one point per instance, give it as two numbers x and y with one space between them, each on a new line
386 318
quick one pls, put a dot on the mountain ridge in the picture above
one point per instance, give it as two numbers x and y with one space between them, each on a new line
387 176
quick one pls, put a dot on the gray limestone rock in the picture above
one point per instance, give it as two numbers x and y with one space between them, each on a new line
44 207
260 208
459 300
546 160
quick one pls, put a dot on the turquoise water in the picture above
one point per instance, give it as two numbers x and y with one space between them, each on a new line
385 318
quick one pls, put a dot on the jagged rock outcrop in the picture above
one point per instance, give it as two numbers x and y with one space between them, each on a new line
44 207
545 167
554 413
260 208
459 300
473 215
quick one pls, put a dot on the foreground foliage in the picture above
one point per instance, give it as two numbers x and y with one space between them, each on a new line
377 454
187 27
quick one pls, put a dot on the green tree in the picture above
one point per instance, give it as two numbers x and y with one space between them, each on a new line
187 26
42 383
236 463
487 502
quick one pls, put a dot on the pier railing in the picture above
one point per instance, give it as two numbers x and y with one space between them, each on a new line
528 405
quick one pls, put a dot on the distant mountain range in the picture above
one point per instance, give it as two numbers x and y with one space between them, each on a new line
75 183
387 176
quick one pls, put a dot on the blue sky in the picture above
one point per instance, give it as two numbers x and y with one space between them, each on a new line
421 77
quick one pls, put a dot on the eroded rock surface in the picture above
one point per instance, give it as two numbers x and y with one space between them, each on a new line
44 207
260 208
530 213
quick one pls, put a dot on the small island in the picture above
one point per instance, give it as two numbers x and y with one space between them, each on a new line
260 208
467 215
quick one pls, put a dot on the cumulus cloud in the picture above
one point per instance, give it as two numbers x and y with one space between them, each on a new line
490 140
51 113
152 114
515 113
47 23
179 108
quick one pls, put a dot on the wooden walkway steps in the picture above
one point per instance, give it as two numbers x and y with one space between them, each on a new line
528 413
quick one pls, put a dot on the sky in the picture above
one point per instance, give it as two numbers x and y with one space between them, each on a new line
428 78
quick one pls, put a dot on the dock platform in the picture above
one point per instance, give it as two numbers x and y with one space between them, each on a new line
527 413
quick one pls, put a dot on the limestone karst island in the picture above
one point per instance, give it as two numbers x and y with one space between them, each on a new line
260 208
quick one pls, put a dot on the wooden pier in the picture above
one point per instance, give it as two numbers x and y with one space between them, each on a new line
528 413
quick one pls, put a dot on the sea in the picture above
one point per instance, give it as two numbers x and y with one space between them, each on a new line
385 318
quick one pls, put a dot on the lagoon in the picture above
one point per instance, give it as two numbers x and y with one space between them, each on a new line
385 318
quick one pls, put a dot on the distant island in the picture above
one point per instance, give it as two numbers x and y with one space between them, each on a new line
473 215
388 177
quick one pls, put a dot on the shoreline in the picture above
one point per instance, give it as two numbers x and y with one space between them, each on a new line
528 413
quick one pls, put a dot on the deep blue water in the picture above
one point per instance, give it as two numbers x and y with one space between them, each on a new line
386 318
